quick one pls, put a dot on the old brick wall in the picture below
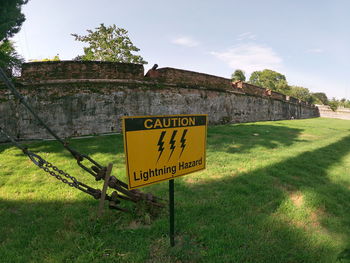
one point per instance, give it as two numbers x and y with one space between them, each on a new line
189 78
35 72
80 106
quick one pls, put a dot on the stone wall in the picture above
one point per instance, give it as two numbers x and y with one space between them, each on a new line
340 113
81 106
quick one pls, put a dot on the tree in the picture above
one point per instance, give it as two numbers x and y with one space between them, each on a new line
11 17
333 104
300 93
238 75
269 79
322 97
9 59
344 103
109 44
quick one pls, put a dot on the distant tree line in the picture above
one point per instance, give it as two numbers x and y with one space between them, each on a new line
334 104
276 81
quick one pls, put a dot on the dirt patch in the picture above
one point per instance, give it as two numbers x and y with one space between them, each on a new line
312 223
297 198
191 180
185 250
135 225
309 137
315 217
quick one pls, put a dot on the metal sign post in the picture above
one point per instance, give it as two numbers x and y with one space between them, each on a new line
171 213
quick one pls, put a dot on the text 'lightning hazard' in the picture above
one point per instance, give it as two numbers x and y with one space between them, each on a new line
172 143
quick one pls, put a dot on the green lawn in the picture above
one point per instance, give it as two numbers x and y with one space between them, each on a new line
272 192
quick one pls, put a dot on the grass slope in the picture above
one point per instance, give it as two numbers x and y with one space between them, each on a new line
272 192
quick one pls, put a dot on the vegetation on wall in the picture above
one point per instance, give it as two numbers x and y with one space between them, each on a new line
55 58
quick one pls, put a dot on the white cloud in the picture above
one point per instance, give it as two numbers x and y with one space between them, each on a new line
185 41
315 50
246 36
250 57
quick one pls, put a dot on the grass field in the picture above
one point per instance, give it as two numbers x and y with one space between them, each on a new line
272 192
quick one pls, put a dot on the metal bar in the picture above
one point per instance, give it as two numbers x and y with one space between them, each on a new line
124 191
171 213
104 190
122 184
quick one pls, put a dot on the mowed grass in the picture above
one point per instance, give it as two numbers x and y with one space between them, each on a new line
272 192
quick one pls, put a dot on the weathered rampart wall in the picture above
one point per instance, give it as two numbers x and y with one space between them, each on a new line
80 98
340 113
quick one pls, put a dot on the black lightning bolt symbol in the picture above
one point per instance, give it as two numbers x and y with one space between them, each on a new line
161 144
183 141
172 142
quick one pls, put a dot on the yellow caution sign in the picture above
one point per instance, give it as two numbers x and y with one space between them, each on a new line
160 148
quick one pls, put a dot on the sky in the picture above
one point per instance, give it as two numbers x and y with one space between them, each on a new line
307 41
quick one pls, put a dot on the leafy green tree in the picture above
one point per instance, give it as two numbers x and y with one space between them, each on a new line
300 93
109 44
11 17
270 79
322 97
238 75
345 103
333 104
9 59
339 103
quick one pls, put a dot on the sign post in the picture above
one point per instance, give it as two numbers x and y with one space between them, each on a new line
161 148
171 213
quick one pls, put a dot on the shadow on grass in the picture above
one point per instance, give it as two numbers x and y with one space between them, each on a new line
246 218
268 136
243 138
110 145
64 231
